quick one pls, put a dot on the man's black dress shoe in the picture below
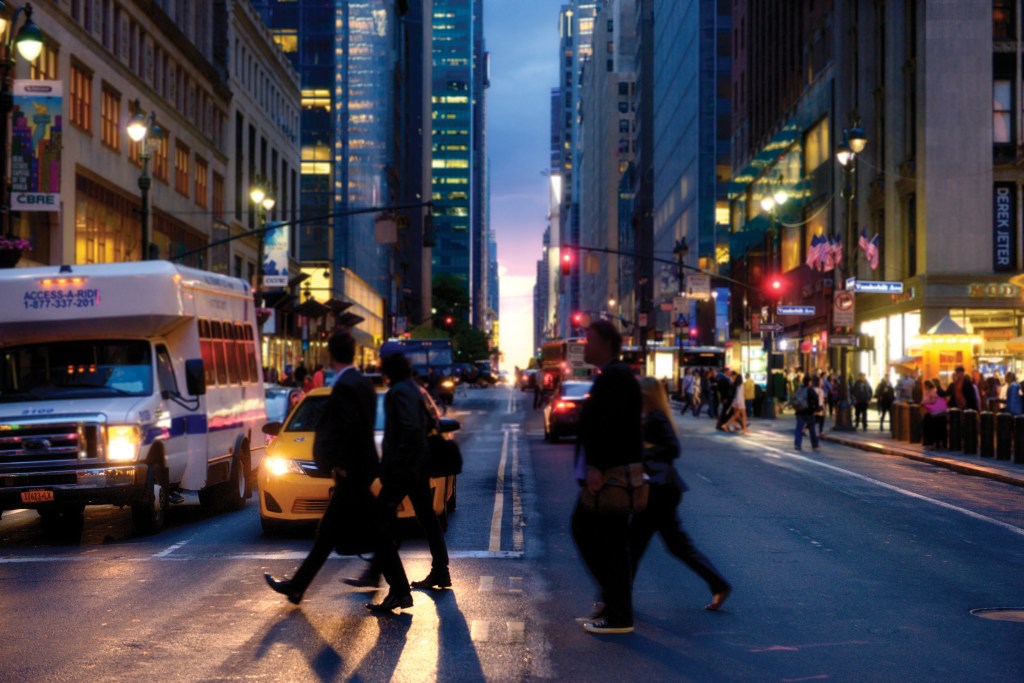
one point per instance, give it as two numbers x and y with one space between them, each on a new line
285 588
364 581
436 579
390 603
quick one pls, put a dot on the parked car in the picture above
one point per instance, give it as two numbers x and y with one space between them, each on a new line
562 412
294 490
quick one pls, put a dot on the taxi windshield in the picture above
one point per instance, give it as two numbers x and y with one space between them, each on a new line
76 369
307 414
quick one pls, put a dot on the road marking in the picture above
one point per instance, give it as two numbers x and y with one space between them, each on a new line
269 556
499 496
170 549
516 631
479 631
517 500
512 407
486 584
910 494
515 584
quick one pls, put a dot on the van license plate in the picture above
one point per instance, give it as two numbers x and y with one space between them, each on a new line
37 496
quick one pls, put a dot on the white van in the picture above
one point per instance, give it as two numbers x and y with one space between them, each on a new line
127 384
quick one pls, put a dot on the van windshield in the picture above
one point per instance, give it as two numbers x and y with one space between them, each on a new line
76 369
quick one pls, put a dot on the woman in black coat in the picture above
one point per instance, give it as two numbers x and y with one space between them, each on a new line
661 448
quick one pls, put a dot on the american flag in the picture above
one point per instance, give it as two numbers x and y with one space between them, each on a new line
870 248
817 252
834 252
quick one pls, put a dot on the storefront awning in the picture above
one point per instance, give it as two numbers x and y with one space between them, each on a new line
311 308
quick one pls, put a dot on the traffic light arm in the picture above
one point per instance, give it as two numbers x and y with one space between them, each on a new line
655 259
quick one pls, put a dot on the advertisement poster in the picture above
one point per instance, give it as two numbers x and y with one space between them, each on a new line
275 258
36 125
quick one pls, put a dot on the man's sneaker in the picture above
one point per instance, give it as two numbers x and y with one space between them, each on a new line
596 612
436 579
605 627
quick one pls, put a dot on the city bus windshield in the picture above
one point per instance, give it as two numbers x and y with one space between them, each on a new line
76 369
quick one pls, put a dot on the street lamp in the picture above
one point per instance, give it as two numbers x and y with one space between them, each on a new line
29 41
853 143
142 128
261 196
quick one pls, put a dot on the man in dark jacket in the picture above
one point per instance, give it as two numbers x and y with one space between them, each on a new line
344 446
862 394
611 435
726 394
404 460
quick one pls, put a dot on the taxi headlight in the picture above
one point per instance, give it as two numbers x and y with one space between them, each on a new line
447 384
123 442
279 466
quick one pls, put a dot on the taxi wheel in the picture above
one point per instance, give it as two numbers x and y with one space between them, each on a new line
149 514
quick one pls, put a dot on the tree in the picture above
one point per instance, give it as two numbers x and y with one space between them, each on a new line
451 300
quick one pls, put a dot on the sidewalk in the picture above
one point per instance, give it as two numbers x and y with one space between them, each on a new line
878 441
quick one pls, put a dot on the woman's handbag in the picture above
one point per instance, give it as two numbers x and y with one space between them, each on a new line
445 456
625 491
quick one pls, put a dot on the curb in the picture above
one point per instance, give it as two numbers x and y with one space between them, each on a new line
955 465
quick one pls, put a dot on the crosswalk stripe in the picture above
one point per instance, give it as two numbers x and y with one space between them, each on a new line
516 631
486 583
479 631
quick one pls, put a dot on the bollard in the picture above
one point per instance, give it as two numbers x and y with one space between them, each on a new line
969 431
768 408
1018 439
914 424
892 421
940 427
955 442
1004 429
987 422
903 417
929 429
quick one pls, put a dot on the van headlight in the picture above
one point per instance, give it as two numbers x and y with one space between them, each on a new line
123 442
279 466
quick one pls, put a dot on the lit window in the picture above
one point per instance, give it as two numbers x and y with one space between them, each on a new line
110 116
81 97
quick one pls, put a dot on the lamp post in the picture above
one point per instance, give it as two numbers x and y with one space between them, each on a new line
142 128
264 201
29 41
770 203
853 143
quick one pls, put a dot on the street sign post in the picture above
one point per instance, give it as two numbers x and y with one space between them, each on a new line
771 327
844 340
795 310
698 286
843 308
874 286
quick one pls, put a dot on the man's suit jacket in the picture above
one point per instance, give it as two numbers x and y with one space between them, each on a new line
406 424
344 435
611 428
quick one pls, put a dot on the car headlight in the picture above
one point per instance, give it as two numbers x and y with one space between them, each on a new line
279 466
123 442
447 384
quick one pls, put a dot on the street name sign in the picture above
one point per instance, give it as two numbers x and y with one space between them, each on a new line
794 310
844 340
875 286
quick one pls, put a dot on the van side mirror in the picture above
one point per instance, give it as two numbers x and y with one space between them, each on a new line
195 377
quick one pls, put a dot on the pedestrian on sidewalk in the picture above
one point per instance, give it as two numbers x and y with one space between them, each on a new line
661 448
1014 399
738 407
690 386
819 414
610 437
861 398
344 445
933 410
805 405
749 394
885 395
727 388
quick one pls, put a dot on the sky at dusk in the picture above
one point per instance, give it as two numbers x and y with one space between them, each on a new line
522 37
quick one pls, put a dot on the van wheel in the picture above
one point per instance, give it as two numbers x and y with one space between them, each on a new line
150 513
63 523
236 487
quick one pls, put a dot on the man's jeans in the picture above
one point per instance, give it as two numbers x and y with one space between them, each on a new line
801 422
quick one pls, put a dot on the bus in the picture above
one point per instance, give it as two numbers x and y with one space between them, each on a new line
564 358
427 353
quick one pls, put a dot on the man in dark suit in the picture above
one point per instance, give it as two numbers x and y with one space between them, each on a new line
344 445
611 435
726 393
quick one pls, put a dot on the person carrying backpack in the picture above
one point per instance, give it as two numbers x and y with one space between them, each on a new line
805 405
862 394
886 396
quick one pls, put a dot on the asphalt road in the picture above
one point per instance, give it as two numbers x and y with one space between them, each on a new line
846 566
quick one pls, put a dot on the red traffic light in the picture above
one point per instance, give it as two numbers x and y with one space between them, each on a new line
577 318
776 284
448 320
693 333
566 263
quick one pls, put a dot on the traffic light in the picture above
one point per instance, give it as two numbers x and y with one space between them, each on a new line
693 333
776 285
448 320
577 318
566 263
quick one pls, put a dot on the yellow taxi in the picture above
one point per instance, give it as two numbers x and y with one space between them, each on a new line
292 488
